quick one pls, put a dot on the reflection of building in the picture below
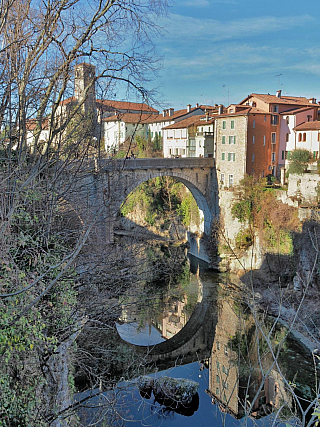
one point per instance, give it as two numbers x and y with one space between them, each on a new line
235 380
175 318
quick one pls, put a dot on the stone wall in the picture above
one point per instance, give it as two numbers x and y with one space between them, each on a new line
303 188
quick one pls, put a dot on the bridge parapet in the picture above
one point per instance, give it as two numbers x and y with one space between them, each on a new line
157 163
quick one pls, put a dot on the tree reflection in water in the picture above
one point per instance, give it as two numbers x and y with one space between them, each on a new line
253 369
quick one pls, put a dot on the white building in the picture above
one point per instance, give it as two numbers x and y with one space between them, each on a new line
307 136
120 128
289 120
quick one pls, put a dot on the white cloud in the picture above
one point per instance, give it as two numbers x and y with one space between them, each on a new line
182 27
204 3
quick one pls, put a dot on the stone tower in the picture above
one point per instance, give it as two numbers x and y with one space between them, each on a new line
84 86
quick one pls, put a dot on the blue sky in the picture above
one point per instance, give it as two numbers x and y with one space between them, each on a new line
219 51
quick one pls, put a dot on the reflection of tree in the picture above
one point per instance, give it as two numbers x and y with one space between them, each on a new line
248 365
164 299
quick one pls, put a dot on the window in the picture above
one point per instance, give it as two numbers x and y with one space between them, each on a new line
300 137
170 151
253 139
273 157
183 151
218 379
218 365
224 124
222 179
218 345
217 391
282 155
265 118
319 137
254 123
230 180
287 137
288 155
232 139
176 151
151 134
231 157
223 156
315 155
304 137
287 120
273 138
252 157
225 385
274 119
225 347
225 370
309 118
264 140
232 124
223 140
275 108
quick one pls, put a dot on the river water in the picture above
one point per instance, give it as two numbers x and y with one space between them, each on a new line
203 327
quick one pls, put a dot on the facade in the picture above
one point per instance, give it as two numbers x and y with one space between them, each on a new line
120 128
230 141
306 136
189 138
279 106
289 141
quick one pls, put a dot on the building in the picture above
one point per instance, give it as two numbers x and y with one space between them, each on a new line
281 108
253 137
243 144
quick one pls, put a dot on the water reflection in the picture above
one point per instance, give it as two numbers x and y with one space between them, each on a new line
247 366
253 371
156 313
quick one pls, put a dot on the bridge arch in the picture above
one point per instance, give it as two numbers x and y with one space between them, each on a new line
203 206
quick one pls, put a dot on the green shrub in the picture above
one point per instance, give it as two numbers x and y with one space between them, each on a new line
299 161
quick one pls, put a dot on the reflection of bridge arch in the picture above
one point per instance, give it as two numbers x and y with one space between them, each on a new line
195 339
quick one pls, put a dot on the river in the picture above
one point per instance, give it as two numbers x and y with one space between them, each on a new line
201 326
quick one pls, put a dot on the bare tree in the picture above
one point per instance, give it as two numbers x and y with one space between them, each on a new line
42 231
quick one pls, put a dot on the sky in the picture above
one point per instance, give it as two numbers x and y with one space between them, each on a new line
219 51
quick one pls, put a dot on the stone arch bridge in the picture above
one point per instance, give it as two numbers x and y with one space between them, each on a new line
113 180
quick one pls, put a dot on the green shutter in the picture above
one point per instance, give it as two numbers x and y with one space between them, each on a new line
223 140
223 156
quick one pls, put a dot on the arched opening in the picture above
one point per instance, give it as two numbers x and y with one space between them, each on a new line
167 201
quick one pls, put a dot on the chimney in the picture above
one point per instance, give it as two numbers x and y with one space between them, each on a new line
171 111
278 94
220 109
164 113
312 100
207 117
197 105
188 108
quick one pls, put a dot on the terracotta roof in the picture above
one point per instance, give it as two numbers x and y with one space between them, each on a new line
296 110
185 123
176 114
308 126
32 123
273 99
130 118
68 100
244 112
124 105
